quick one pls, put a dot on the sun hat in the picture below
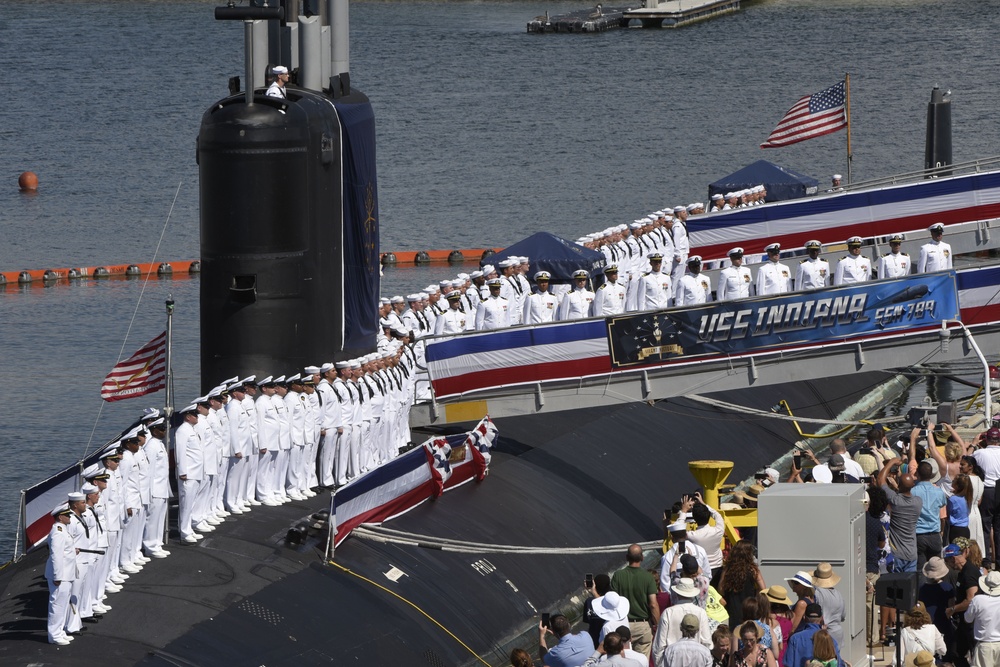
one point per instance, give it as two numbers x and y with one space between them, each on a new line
778 595
801 577
611 607
824 576
685 588
935 568
919 659
990 583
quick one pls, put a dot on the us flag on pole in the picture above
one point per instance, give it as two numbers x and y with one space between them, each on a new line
812 116
142 373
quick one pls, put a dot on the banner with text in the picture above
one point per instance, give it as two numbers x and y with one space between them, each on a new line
739 327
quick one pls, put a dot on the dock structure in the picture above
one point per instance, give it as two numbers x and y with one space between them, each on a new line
677 13
593 19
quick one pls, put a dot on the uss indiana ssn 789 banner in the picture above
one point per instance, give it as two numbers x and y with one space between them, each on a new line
736 327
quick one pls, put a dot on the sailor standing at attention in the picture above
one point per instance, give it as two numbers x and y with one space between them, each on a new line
540 306
453 320
277 89
576 305
935 255
814 272
159 489
655 288
189 460
60 572
735 281
610 298
718 203
773 277
493 312
695 287
678 232
893 264
855 267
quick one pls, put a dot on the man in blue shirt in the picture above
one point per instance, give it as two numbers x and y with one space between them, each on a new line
572 649
929 523
800 644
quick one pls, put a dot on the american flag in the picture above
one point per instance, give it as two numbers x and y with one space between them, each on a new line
142 373
812 116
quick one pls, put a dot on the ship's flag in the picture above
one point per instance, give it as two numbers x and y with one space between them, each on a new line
812 116
142 373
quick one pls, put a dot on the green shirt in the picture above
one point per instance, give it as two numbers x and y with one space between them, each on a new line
635 584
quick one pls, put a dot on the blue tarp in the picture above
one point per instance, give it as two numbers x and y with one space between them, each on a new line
781 182
558 256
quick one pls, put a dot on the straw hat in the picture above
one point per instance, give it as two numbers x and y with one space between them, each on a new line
919 659
990 583
778 595
685 588
824 576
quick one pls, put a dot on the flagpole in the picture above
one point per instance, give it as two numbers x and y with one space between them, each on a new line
847 104
168 407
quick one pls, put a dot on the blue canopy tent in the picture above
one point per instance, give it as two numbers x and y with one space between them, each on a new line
781 182
558 256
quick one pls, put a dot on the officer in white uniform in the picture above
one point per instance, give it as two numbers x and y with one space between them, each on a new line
894 264
655 287
773 277
277 89
694 287
494 311
814 272
576 304
453 320
735 281
610 297
189 461
678 232
159 489
60 573
935 255
855 267
540 306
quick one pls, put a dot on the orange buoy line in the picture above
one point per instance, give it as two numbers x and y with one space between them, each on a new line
194 266
100 272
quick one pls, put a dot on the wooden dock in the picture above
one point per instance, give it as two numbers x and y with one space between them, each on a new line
677 13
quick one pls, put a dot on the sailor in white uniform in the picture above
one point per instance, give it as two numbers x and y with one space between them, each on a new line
655 287
694 287
935 255
494 311
576 304
610 297
813 272
60 572
678 232
189 460
718 203
893 264
540 306
735 281
773 277
453 319
855 267
159 489
277 89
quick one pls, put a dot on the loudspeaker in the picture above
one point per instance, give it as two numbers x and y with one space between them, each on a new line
898 590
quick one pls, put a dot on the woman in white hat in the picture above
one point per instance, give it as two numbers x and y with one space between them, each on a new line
802 585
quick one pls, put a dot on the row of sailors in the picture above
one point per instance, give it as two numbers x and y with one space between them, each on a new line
656 288
232 451
101 532
236 449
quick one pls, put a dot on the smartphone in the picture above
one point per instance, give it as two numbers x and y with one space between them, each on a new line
797 460
545 619
588 581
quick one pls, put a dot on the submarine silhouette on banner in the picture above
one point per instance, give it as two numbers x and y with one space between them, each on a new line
289 202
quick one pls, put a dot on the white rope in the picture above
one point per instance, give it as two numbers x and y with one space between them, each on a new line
389 536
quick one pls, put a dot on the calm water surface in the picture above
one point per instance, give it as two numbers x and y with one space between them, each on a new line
486 135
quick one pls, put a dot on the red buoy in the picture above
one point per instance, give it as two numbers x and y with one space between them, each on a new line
28 181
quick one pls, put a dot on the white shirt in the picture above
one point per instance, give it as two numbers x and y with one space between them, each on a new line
539 307
852 269
693 290
610 299
773 278
934 256
812 274
654 291
893 265
984 614
668 559
276 90
575 305
989 460
452 322
493 313
734 283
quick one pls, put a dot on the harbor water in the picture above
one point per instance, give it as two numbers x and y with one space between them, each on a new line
486 135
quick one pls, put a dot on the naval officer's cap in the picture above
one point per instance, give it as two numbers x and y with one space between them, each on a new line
111 453
542 275
813 245
896 238
61 508
149 413
92 471
936 227
453 296
249 381
854 242
736 252
295 379
235 386
493 282
694 259
774 247
655 256
280 380
581 273
159 423
228 381
190 408
611 268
